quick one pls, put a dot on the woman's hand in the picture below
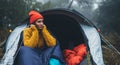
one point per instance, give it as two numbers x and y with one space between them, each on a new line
33 27
42 26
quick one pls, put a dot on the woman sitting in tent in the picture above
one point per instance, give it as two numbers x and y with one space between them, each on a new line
33 53
37 42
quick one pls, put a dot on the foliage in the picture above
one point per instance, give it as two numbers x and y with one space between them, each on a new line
110 56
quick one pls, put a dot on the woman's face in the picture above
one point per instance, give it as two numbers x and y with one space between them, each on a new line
39 23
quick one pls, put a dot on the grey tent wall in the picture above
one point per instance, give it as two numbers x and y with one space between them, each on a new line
11 46
94 43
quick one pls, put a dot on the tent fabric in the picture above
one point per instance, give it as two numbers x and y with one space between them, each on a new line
94 43
12 45
71 19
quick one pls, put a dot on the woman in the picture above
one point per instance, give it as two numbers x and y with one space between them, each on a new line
37 33
38 43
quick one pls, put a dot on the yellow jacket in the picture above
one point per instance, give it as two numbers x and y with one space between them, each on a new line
33 39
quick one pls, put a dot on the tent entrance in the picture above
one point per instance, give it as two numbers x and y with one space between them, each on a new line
65 28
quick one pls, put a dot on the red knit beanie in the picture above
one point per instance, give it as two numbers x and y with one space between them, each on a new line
34 15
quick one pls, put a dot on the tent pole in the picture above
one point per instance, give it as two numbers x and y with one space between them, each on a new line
69 6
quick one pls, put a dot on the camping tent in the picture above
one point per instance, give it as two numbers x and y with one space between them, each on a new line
67 25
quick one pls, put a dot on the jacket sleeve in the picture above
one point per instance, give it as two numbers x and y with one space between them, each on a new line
49 39
30 37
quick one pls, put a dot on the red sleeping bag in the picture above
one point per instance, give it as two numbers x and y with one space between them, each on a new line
75 56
